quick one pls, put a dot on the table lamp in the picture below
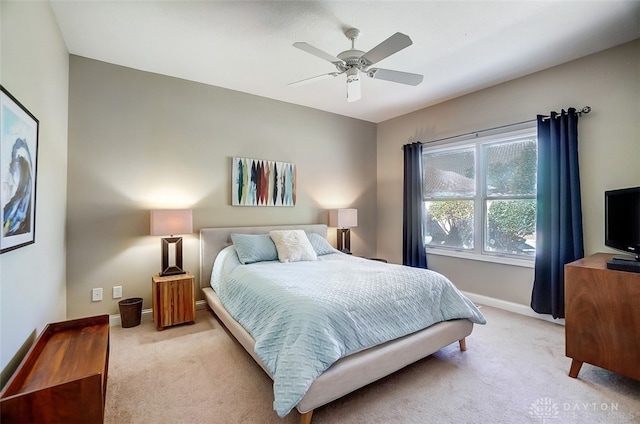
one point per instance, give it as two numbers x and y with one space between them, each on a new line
169 222
344 219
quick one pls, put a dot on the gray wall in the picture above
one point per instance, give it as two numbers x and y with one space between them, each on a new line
609 150
141 141
34 69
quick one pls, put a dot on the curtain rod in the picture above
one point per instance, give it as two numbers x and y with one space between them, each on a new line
585 110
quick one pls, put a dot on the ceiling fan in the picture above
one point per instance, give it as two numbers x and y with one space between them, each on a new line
352 62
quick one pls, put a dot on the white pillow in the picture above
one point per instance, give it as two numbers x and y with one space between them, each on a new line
293 246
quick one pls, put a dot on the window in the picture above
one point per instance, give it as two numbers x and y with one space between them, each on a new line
480 195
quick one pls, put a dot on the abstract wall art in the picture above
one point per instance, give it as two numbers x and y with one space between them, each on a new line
258 182
18 164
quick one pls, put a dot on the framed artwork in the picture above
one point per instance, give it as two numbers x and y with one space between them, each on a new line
18 165
258 182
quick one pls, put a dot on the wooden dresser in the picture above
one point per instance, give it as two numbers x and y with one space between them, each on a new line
602 316
63 377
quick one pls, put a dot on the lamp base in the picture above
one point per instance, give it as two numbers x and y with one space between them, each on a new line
175 245
172 271
344 240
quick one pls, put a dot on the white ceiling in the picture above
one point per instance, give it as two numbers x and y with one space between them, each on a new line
459 46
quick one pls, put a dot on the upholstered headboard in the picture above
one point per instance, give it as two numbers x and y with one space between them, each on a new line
213 240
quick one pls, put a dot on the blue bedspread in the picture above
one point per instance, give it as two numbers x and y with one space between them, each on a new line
304 316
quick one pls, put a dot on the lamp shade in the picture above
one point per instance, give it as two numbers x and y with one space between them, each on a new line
343 218
165 222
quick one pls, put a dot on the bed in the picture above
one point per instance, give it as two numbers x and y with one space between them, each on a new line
354 367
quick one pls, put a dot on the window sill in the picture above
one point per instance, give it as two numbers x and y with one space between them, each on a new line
504 260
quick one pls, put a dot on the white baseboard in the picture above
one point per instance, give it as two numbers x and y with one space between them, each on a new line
511 307
147 314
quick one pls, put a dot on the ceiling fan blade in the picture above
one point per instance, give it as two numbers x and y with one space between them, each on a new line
313 79
354 92
391 45
395 76
317 52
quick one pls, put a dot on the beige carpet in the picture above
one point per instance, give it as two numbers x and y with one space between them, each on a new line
514 371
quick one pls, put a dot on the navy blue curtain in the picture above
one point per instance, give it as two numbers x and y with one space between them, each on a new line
559 211
413 253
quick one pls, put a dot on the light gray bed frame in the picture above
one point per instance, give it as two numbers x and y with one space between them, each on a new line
351 372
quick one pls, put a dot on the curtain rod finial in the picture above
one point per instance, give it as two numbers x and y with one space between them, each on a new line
585 109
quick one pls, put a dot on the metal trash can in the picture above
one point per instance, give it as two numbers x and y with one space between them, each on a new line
130 311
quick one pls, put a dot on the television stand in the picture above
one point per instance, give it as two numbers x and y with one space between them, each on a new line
602 318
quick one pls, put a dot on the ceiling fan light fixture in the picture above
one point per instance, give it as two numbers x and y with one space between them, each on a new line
353 74
353 85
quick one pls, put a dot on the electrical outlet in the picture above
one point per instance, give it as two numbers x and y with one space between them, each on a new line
96 295
117 292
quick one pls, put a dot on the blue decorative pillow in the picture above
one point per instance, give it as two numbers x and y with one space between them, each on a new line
320 244
254 248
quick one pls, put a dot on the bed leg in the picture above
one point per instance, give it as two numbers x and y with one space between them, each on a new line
463 344
306 417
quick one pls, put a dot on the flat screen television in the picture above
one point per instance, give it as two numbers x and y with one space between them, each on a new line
622 220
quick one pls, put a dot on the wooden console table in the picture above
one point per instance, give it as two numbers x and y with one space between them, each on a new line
63 377
602 316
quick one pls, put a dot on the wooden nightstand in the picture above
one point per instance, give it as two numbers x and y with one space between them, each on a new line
173 300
